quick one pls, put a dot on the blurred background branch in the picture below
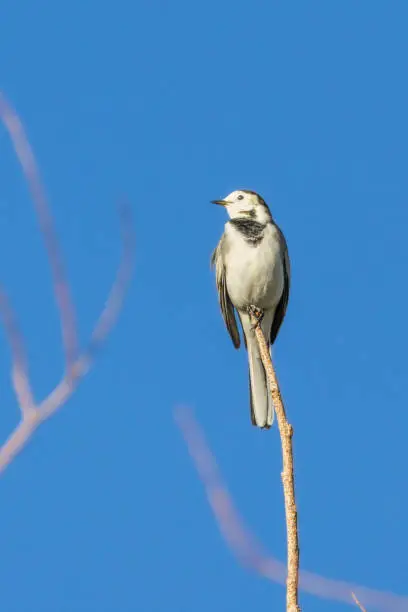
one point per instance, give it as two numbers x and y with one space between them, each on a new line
245 546
76 363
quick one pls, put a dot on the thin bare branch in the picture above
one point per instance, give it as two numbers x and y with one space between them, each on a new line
19 370
362 608
106 321
288 474
249 551
77 365
18 439
117 293
61 287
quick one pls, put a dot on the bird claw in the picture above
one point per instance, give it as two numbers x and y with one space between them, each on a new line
258 314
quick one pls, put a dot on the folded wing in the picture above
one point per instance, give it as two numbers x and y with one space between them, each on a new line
283 302
226 305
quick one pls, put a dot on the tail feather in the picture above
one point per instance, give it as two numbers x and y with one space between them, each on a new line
262 410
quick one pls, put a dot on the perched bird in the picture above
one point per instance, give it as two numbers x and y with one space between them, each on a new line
252 274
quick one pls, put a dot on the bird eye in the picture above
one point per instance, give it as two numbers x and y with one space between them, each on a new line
240 197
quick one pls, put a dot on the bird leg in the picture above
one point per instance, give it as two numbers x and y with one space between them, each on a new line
257 313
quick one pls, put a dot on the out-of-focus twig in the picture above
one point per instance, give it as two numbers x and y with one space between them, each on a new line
288 474
246 547
362 608
76 363
61 287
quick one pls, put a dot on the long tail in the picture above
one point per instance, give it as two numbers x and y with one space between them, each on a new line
262 410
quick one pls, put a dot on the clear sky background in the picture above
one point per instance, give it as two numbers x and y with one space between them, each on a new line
175 104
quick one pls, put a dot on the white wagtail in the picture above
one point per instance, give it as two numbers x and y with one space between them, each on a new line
253 275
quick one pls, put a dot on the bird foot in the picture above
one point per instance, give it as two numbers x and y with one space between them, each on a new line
258 314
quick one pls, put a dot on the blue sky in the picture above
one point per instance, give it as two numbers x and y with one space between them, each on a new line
175 104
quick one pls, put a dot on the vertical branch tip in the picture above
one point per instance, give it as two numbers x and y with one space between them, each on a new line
288 473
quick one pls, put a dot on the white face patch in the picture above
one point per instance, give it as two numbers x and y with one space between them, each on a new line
240 203
246 205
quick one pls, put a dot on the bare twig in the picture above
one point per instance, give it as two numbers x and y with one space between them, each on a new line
246 547
61 287
362 608
76 364
19 374
288 476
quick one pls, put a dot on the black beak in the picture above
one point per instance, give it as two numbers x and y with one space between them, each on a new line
219 202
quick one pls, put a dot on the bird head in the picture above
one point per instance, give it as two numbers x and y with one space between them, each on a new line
245 204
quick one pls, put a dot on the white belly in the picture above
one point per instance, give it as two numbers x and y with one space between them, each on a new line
254 274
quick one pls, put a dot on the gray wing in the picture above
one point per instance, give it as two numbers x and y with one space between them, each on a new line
283 302
226 305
